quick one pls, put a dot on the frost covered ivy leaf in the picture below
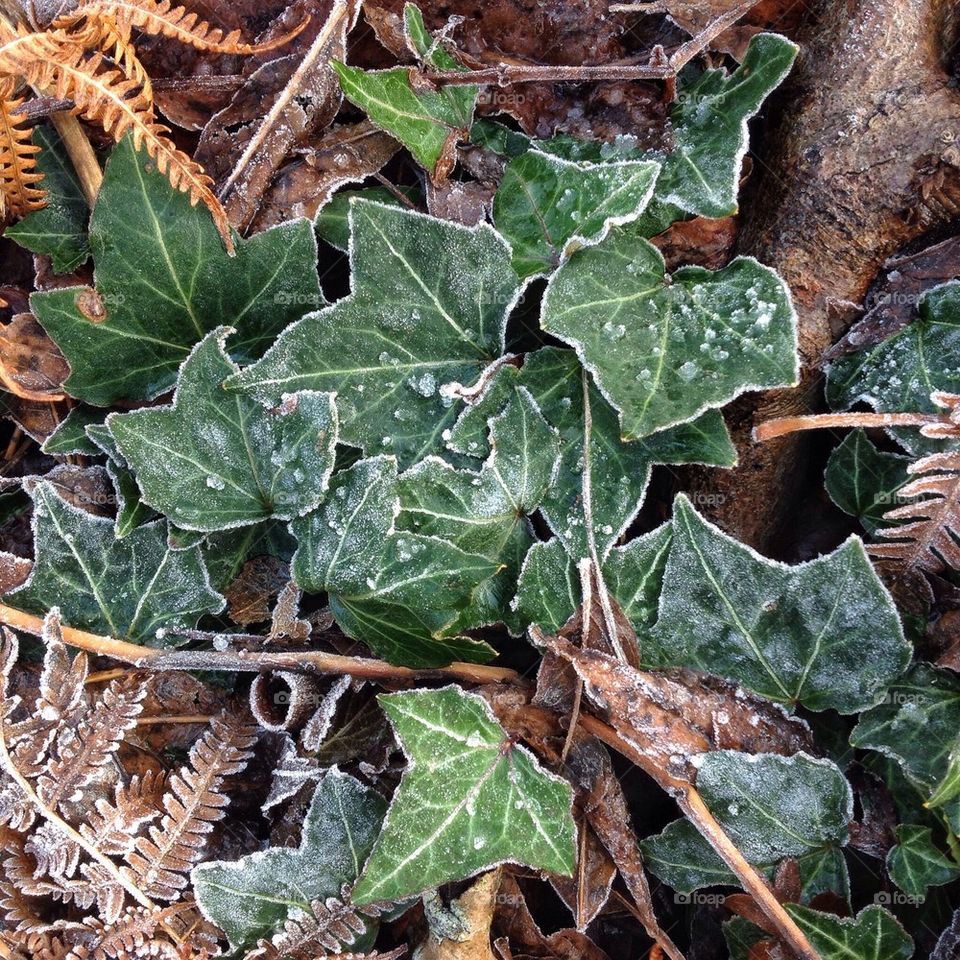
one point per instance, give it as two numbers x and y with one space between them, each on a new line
59 230
916 863
863 481
70 436
701 175
824 634
549 589
874 934
398 592
250 898
428 308
917 725
163 281
215 460
428 122
123 588
470 798
545 203
772 807
599 474
486 512
899 373
665 349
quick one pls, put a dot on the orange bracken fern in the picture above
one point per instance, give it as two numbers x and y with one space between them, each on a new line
87 56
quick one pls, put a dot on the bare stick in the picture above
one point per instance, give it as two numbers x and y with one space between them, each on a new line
507 74
81 154
786 425
307 661
696 45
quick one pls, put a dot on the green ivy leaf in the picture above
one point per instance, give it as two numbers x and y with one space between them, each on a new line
549 589
665 349
470 798
123 588
824 634
701 175
874 934
863 481
227 551
398 592
915 863
772 807
592 455
333 218
487 512
250 898
215 460
546 205
165 281
70 436
59 230
428 308
428 122
898 374
917 725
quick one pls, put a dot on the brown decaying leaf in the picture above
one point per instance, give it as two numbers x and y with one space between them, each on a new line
468 202
193 802
671 716
307 101
250 594
346 154
520 937
474 908
14 571
31 365
704 242
893 302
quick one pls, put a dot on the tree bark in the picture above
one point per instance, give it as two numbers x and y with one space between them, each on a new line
864 161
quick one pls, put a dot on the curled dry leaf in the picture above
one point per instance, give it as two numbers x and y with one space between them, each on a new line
31 365
345 154
473 911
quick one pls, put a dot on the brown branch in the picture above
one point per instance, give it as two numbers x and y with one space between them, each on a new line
782 426
507 74
309 661
81 154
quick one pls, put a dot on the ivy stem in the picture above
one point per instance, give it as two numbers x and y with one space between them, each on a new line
691 803
786 425
312 661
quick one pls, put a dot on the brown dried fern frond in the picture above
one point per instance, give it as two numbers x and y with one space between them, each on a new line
929 540
162 18
113 826
161 860
106 96
79 753
19 193
104 35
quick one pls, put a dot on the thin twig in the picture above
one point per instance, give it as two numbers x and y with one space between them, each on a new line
81 154
696 45
508 74
786 425
306 661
